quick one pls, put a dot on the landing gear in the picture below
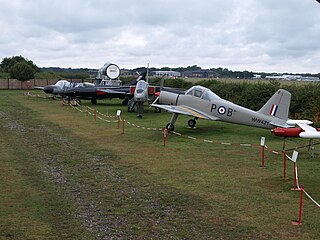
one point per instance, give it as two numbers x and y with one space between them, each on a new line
140 109
192 123
170 127
131 105
94 101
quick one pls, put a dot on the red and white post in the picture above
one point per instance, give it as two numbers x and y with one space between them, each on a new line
295 177
300 208
284 164
118 116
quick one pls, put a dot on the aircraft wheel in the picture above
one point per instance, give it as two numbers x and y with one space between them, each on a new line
192 123
170 127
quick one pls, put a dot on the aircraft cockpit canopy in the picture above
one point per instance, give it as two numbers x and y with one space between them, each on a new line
63 84
141 86
203 93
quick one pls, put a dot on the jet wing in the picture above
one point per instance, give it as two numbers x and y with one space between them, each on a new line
110 92
39 88
182 109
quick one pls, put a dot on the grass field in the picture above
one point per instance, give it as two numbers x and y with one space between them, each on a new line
65 176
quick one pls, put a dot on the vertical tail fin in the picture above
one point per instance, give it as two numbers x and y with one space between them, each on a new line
278 105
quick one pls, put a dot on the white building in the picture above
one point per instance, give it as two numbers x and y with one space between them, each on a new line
166 74
293 78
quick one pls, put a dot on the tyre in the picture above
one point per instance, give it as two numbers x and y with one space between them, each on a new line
170 127
192 123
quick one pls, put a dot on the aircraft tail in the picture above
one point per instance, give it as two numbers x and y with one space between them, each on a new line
278 105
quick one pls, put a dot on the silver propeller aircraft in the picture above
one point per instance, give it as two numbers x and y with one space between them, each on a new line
201 102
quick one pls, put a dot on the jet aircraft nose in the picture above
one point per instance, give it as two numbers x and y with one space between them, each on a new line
48 89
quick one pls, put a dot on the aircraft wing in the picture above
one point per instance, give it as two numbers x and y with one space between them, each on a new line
39 88
109 92
306 127
182 109
308 131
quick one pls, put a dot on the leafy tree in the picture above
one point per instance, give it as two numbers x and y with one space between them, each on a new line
8 62
22 71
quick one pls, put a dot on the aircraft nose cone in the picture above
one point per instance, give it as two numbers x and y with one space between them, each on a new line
48 89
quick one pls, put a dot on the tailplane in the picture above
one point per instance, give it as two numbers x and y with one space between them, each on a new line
278 105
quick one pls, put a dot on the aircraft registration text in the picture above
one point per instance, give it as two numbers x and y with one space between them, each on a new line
257 120
222 110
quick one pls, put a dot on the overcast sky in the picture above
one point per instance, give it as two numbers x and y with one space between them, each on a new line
254 35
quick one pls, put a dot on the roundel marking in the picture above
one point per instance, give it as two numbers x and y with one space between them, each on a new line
222 110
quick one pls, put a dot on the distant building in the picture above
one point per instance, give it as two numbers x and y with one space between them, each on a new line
256 76
169 74
293 78
201 74
128 73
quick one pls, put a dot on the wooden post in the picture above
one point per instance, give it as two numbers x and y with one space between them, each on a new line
164 136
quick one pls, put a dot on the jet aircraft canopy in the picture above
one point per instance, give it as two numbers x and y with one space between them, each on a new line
141 86
202 92
63 84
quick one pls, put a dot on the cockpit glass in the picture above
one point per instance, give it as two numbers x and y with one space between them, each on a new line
63 84
142 85
202 92
209 95
197 92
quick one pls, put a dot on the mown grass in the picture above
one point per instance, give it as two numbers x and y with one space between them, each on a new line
187 189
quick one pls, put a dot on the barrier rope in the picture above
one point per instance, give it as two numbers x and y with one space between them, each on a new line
176 133
317 204
29 94
215 142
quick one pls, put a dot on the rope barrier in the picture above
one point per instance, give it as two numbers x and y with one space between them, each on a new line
317 204
176 133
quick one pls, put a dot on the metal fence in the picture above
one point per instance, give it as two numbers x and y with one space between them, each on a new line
16 84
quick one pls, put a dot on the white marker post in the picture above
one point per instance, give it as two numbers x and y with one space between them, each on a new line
294 159
118 116
262 144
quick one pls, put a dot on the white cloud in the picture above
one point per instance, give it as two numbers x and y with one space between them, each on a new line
266 35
